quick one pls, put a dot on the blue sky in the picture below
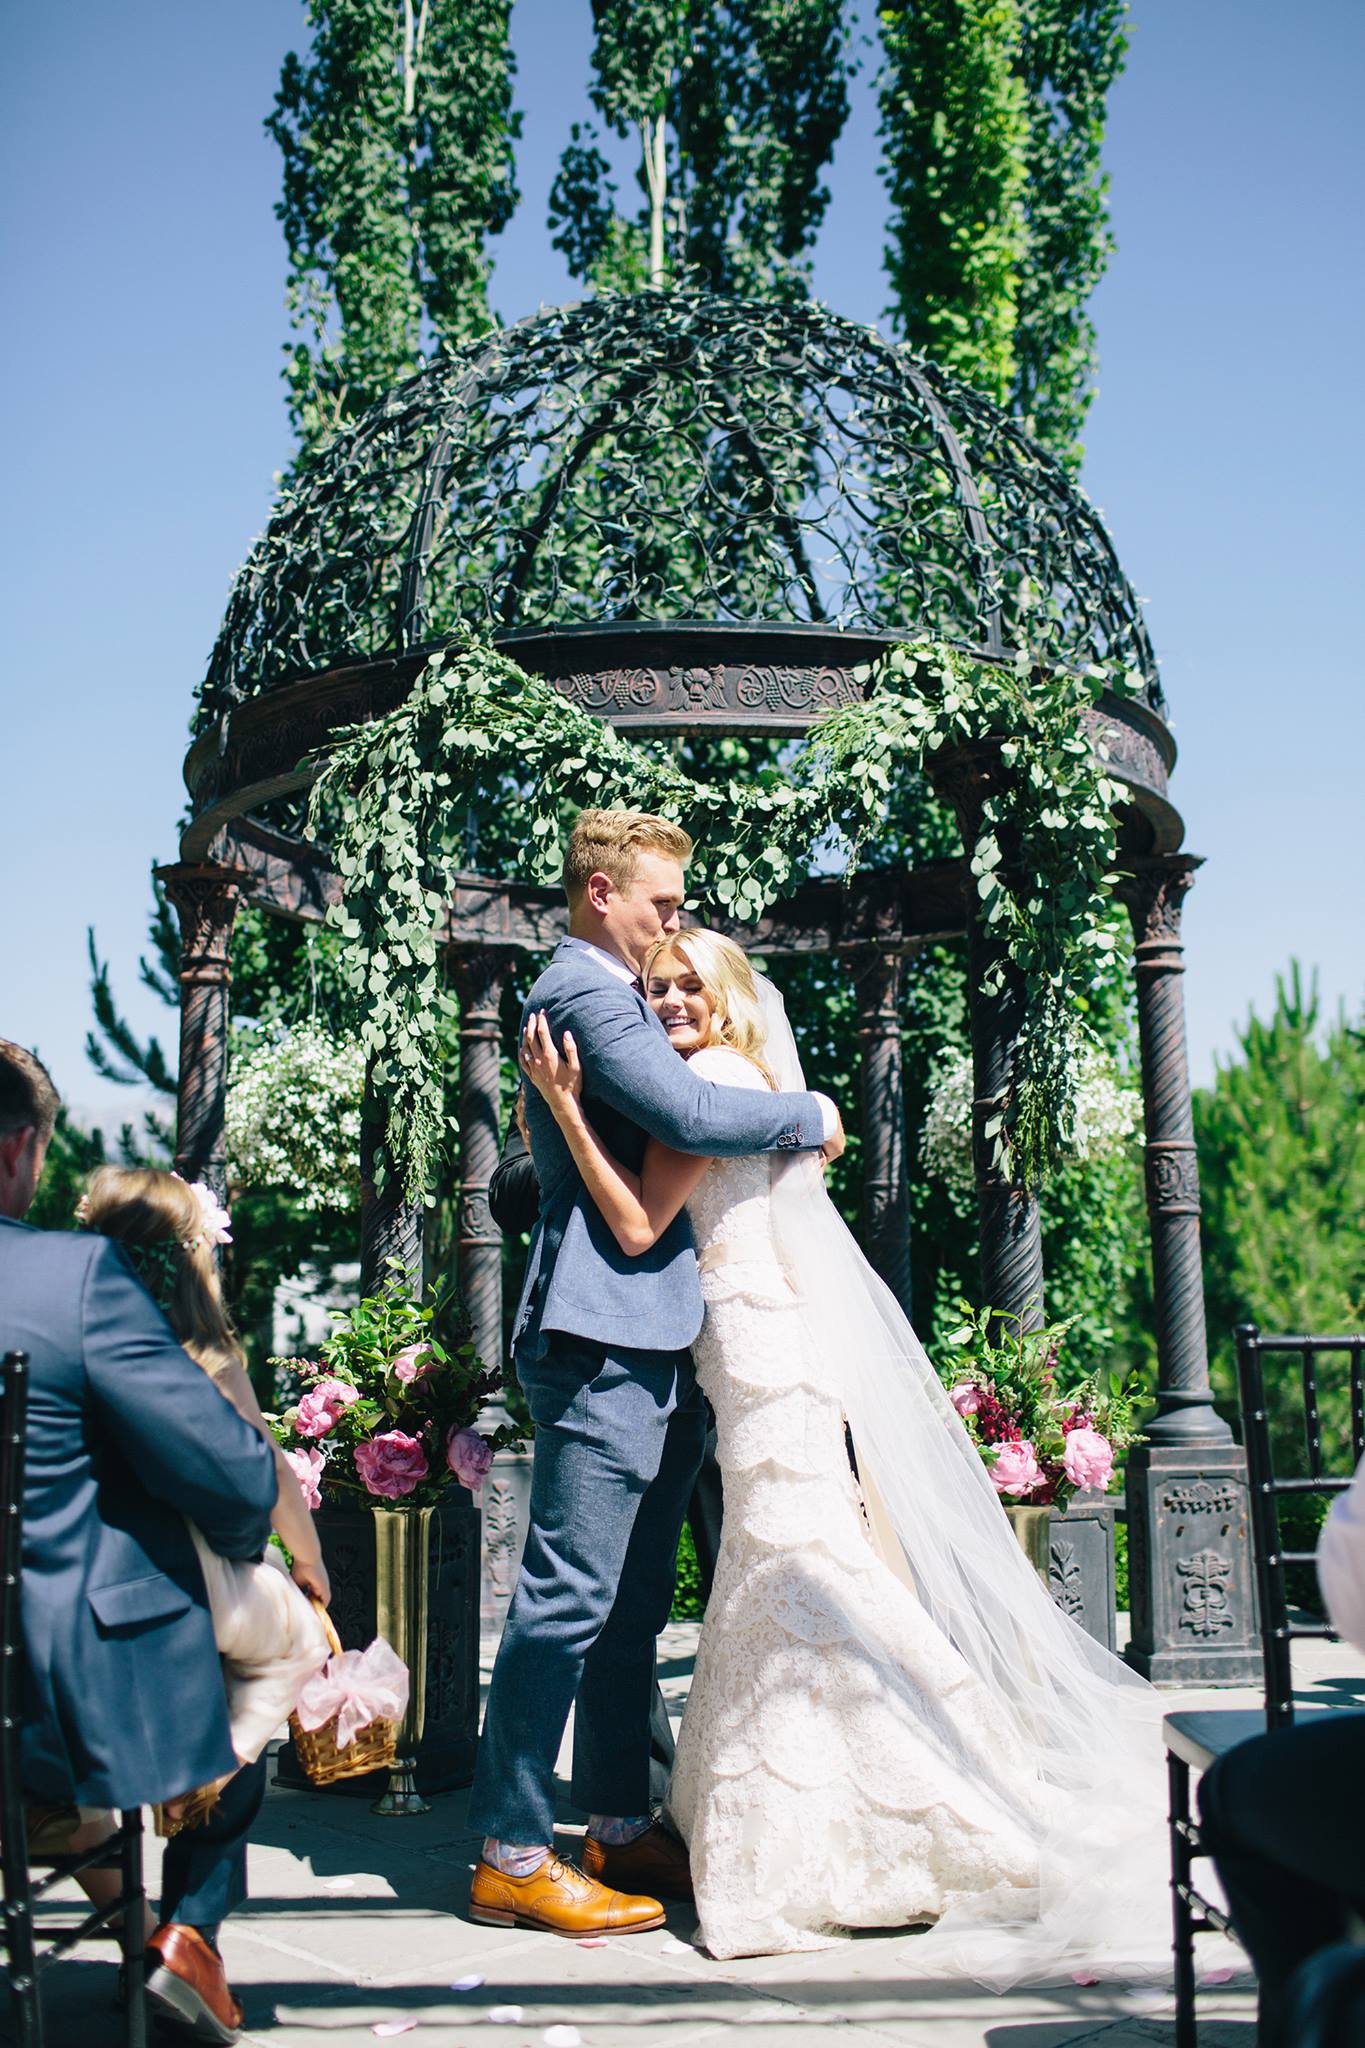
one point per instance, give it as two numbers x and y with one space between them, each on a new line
144 421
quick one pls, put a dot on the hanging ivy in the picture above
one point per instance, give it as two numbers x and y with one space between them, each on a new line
404 794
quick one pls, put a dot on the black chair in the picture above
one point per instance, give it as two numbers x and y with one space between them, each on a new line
25 1956
1194 1739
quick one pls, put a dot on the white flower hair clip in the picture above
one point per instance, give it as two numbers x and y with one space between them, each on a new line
213 1218
83 1209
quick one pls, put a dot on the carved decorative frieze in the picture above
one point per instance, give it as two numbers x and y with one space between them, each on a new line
1172 1167
1206 1609
1200 1497
501 1537
1066 1578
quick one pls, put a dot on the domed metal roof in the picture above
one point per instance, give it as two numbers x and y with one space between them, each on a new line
669 457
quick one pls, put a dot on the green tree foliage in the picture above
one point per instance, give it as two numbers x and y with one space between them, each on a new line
1282 1161
992 122
955 134
396 132
737 105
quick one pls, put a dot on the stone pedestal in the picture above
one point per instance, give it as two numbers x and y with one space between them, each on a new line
450 1735
506 1516
1081 1565
1193 1607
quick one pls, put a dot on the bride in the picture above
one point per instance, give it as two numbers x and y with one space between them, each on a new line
890 1721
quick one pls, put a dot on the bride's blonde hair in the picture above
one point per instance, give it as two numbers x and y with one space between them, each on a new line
156 1218
724 972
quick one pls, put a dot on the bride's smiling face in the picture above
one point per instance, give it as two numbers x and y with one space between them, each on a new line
680 1002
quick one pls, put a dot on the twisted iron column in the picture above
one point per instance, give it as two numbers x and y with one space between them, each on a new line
1155 896
1193 1607
390 1225
886 1192
205 899
1010 1223
479 981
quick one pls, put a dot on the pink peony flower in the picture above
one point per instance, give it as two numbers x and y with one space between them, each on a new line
413 1364
965 1397
470 1457
392 1464
1088 1460
322 1407
308 1465
1016 1470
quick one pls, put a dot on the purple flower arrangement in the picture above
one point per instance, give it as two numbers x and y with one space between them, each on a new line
388 1414
1042 1442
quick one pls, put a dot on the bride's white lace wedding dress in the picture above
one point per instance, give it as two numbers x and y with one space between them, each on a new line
839 1765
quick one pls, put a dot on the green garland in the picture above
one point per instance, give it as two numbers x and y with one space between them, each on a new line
477 732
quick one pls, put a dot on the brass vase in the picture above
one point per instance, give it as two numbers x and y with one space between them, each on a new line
402 1554
1033 1534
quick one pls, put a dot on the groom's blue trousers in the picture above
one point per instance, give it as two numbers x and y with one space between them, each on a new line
619 1438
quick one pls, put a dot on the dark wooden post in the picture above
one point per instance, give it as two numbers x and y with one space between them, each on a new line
886 1193
1192 1600
206 901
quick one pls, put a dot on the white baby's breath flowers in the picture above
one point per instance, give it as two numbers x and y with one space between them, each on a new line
1108 1113
292 1117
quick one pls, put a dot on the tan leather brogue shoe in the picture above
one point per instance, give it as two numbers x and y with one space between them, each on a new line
187 1986
654 1862
558 1899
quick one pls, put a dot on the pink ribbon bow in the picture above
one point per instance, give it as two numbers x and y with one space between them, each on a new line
359 1686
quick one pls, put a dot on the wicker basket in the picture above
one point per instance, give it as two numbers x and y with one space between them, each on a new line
373 1749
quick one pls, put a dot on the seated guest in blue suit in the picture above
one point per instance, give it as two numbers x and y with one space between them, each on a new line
127 1437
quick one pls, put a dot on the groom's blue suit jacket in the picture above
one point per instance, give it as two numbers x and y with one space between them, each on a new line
127 1436
635 1087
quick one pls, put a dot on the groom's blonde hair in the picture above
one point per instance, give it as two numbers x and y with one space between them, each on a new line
611 842
724 972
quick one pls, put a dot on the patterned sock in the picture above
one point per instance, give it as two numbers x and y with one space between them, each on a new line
614 1830
513 1860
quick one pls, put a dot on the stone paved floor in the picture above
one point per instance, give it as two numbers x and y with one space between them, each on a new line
357 1929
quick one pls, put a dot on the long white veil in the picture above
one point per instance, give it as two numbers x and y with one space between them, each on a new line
1089 1725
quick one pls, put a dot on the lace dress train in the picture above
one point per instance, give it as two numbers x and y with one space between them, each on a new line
839 1764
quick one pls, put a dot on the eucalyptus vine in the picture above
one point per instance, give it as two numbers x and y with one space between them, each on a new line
476 731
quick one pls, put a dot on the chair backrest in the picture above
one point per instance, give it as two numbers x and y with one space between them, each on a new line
1293 1359
13 1425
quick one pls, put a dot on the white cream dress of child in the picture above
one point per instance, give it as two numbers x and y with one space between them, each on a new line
889 1721
270 1638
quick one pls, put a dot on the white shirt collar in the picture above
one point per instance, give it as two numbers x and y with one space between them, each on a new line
605 959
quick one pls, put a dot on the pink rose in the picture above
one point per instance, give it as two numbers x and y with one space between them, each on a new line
322 1407
470 1457
413 1364
308 1465
391 1464
1088 1460
965 1397
1016 1469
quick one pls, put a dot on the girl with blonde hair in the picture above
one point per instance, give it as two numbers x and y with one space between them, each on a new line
268 1632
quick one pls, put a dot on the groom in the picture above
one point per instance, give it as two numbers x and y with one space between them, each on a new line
601 1350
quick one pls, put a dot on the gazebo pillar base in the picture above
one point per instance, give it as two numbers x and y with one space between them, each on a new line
1189 1563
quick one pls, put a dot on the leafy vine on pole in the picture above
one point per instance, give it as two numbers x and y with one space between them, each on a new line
477 731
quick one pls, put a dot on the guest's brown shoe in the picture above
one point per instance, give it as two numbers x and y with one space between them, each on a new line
558 1899
187 1986
654 1862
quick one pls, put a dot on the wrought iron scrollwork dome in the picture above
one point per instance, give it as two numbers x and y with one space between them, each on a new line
671 456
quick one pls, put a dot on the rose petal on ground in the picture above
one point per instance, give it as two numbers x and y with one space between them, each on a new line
505 2015
671 1946
468 1983
387 2027
1219 1976
1084 1977
338 1884
562 2037
592 1941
